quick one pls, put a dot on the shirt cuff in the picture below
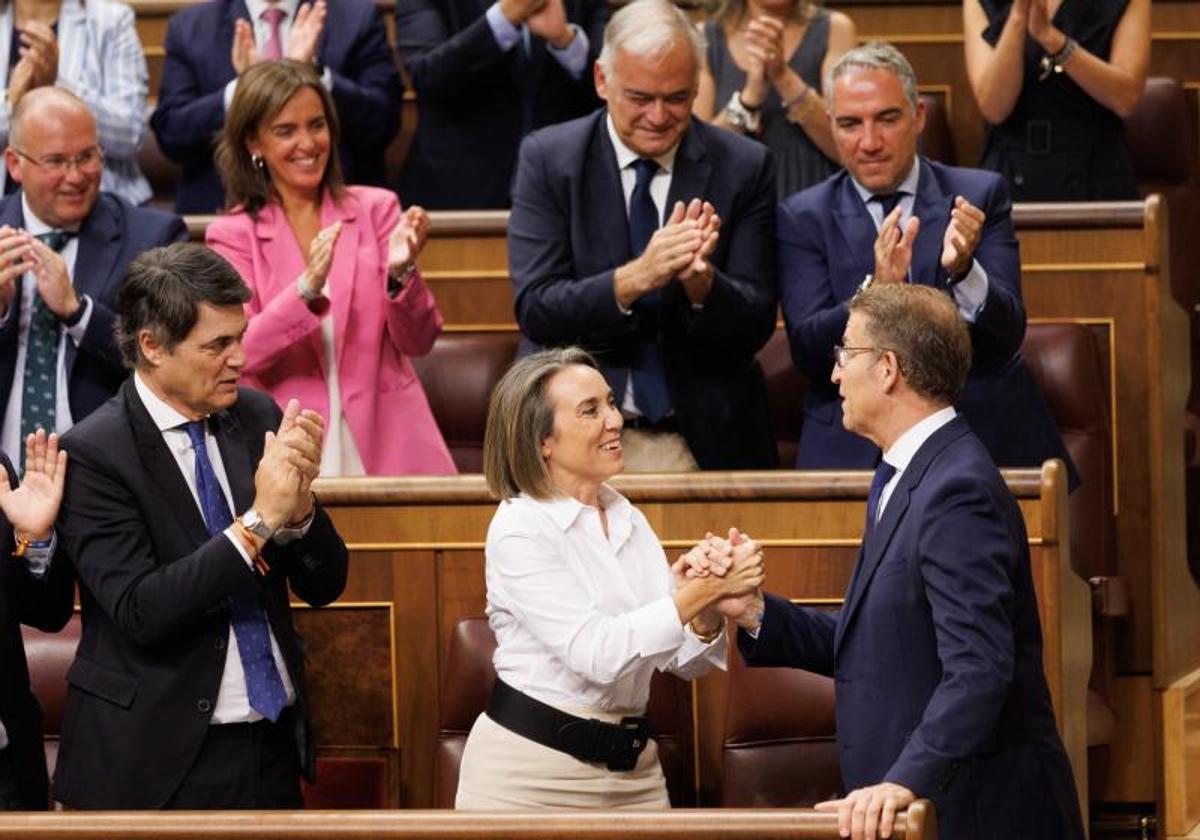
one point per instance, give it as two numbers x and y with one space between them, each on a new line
971 292
657 628
327 79
573 57
230 87
237 543
506 33
38 558
285 535
76 330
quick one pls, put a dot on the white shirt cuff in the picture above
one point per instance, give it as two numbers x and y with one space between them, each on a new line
573 57
77 330
237 543
506 33
230 87
656 627
970 293
38 559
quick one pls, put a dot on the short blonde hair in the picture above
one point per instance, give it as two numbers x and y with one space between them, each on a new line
520 418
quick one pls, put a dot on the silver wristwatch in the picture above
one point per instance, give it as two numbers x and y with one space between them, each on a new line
253 522
741 117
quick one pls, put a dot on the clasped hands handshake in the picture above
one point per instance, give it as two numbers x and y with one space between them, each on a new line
680 248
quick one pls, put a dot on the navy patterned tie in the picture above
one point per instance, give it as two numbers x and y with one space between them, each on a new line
648 374
883 474
264 686
39 388
888 202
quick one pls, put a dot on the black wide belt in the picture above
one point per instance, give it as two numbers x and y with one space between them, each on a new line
616 745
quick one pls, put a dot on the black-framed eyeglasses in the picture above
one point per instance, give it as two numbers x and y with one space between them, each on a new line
843 355
89 161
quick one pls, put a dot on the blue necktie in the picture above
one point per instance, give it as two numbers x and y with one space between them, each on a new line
883 474
264 686
647 371
888 202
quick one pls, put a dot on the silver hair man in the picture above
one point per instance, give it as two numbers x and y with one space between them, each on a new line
648 29
876 55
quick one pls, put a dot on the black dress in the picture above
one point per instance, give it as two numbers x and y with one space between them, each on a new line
1060 144
799 163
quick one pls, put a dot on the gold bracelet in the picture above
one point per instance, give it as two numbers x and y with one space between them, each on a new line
708 638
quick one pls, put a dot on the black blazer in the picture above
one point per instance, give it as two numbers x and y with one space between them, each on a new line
569 231
191 96
155 591
46 604
112 235
470 98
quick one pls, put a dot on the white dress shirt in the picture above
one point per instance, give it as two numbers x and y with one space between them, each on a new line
901 453
970 293
10 436
233 704
581 619
660 187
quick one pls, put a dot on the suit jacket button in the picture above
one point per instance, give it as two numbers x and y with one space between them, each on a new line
204 705
219 643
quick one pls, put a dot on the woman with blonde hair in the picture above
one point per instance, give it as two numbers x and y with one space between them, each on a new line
582 601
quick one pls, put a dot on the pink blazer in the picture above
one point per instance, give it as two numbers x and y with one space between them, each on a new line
382 399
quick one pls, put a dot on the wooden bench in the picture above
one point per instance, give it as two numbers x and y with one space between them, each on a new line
917 823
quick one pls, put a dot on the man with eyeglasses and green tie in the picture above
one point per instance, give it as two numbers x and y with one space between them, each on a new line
64 248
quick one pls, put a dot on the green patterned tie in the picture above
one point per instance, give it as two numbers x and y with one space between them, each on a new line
41 359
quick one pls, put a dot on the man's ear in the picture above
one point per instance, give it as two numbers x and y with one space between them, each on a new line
151 348
889 370
600 81
12 162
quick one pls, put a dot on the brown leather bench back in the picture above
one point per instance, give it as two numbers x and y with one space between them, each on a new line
458 375
468 684
779 748
936 140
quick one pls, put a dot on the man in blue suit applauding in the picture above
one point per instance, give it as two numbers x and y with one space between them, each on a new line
647 237
937 649
894 217
64 248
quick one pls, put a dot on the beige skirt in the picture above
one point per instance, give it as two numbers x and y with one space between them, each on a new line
504 771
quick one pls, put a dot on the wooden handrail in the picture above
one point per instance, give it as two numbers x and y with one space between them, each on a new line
640 488
917 823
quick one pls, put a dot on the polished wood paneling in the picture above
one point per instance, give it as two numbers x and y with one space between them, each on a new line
1180 728
919 822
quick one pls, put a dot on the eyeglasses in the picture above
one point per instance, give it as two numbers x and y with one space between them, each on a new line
89 161
843 355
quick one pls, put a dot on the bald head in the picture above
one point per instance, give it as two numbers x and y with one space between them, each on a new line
54 155
46 103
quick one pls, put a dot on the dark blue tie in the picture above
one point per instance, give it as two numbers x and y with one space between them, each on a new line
883 474
888 202
647 371
264 686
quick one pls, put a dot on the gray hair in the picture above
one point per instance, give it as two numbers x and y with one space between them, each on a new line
649 29
876 55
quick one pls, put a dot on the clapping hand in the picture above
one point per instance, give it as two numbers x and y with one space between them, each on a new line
320 257
894 247
306 32
764 43
697 276
291 460
962 237
243 53
32 506
407 239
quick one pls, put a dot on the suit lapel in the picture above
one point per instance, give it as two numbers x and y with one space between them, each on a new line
602 192
162 467
932 207
877 539
856 227
690 176
99 245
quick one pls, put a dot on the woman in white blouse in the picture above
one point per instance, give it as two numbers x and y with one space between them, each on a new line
583 603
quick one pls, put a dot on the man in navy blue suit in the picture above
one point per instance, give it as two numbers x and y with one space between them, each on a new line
210 44
647 237
893 217
65 246
936 652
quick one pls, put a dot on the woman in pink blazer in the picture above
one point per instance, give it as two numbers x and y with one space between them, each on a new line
338 304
